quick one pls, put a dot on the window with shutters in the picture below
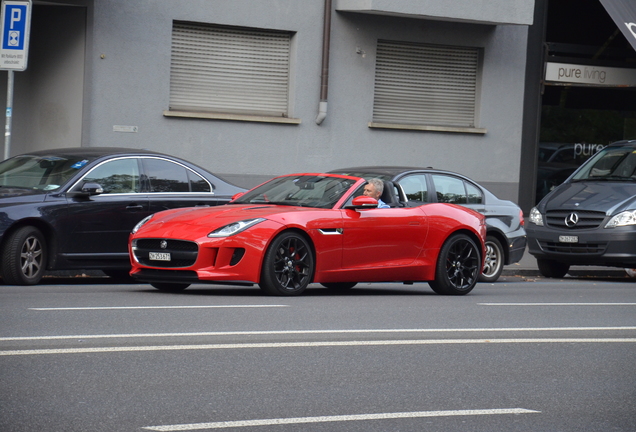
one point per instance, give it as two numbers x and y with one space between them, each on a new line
426 86
229 70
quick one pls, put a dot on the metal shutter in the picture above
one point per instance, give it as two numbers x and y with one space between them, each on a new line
432 85
229 70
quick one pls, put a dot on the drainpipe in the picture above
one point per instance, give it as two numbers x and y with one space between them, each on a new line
324 77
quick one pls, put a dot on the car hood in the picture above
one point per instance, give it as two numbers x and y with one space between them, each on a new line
608 197
200 221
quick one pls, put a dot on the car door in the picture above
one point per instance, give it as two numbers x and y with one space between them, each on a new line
172 185
100 224
382 237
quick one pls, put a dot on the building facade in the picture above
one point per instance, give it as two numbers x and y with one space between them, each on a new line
250 89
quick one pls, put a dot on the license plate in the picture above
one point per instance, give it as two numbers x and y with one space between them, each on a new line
569 239
159 256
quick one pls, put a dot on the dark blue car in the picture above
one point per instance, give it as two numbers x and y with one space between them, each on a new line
74 208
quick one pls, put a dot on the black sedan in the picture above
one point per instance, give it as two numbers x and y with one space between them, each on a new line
74 208
406 186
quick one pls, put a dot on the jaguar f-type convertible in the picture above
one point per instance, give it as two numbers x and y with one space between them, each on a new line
311 228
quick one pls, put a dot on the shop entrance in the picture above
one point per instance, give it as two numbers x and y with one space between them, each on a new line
589 89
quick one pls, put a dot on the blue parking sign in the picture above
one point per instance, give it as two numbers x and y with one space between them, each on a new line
14 27
16 17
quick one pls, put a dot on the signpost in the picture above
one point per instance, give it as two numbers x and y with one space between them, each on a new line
14 51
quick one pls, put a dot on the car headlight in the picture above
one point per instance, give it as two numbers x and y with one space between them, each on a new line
141 223
622 219
235 227
536 217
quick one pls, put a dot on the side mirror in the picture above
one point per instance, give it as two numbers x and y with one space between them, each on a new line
92 189
363 202
89 189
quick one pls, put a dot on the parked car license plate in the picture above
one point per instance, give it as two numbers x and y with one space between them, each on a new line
569 239
159 256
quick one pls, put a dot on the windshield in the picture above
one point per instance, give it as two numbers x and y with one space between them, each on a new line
46 173
299 190
611 163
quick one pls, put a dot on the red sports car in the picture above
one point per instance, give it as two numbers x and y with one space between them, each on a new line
302 228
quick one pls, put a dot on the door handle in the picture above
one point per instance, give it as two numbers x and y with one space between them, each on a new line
134 207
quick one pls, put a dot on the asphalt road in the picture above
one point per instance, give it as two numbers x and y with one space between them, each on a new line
519 355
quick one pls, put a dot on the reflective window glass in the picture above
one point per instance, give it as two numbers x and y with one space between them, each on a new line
165 176
474 194
414 187
449 189
117 176
198 183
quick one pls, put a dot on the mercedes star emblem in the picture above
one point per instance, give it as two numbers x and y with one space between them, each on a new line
571 220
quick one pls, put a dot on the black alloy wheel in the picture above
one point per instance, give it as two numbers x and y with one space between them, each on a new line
24 257
288 266
458 266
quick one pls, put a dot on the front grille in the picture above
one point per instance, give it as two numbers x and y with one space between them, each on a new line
586 219
175 245
182 253
574 248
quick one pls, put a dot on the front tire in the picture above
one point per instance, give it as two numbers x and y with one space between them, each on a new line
494 262
458 266
288 266
24 257
552 269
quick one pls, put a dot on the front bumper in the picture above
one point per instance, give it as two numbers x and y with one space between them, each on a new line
612 247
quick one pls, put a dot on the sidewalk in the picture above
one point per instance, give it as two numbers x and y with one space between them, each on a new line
528 267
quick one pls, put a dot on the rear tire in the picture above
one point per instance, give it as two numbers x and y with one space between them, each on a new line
458 266
170 287
288 266
24 257
552 269
494 262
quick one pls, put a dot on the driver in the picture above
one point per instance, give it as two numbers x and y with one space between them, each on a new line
374 189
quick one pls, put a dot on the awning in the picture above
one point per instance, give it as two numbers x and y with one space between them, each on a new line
623 12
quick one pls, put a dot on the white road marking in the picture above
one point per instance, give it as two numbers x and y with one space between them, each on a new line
337 418
152 307
305 332
557 304
308 345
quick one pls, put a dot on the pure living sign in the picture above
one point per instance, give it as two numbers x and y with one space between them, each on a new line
565 73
